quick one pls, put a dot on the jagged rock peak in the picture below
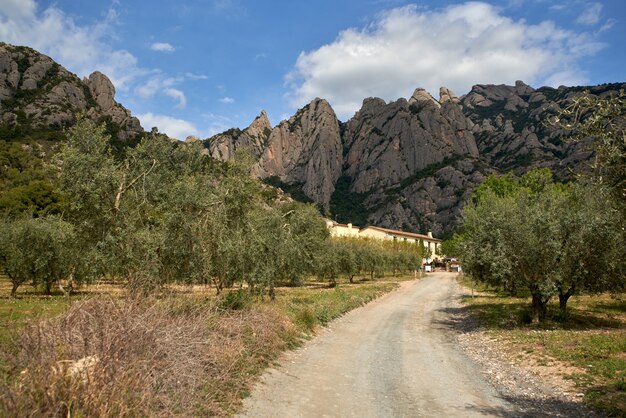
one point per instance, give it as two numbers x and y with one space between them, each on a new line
421 95
317 106
522 88
370 106
260 128
446 95
55 94
305 150
260 123
102 89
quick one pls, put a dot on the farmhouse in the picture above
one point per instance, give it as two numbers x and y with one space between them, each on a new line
342 230
348 230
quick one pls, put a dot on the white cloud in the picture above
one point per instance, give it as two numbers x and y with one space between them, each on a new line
591 15
230 8
162 47
222 4
457 47
82 49
515 3
17 8
607 25
558 7
153 85
566 78
173 127
227 100
159 83
178 95
192 76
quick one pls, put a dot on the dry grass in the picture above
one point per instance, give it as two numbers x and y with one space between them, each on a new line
179 354
174 357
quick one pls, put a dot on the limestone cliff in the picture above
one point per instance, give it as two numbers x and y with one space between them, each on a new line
410 163
387 143
305 150
254 139
413 163
38 94
512 130
303 153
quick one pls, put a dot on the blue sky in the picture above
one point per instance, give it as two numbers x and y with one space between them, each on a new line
200 67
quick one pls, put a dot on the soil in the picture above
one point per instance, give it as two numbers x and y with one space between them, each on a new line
412 353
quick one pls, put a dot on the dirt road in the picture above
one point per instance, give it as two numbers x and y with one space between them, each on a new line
395 357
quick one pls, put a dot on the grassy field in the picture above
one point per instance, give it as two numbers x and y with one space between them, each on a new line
589 348
31 304
185 352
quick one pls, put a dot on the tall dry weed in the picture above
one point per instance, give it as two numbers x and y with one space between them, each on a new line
137 357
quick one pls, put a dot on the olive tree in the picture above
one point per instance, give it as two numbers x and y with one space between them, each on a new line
36 249
347 250
602 118
552 239
590 240
131 211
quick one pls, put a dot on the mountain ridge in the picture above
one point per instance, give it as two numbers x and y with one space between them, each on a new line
405 164
412 163
38 94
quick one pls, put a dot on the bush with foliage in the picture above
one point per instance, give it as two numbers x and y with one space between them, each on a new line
38 249
550 238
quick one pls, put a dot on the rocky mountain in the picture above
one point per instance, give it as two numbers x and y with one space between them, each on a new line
512 130
303 155
412 163
253 138
409 164
38 96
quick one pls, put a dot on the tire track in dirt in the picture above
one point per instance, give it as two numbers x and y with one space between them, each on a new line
395 357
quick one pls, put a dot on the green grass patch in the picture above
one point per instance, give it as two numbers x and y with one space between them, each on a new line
15 313
593 339
29 306
308 308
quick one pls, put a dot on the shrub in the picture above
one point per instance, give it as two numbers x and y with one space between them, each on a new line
236 300
306 319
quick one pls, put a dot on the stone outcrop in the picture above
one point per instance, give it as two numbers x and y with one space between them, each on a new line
446 95
510 125
253 139
306 150
403 156
412 163
102 90
35 88
377 158
421 96
388 143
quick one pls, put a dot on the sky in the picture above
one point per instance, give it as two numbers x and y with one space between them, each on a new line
203 66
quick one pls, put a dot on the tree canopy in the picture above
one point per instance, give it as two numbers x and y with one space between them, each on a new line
163 211
550 238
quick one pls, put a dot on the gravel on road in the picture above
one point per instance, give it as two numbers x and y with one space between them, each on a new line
408 354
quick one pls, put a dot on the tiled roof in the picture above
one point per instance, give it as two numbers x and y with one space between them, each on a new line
402 233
